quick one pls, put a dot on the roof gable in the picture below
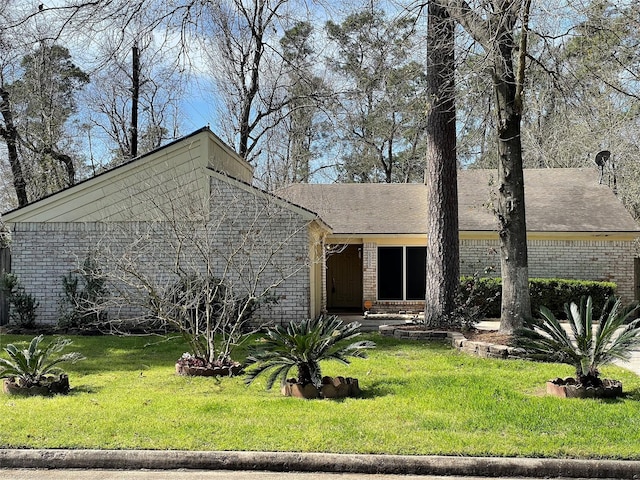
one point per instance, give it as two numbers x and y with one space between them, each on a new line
173 178
140 189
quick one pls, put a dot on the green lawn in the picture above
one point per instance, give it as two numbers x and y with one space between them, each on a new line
418 399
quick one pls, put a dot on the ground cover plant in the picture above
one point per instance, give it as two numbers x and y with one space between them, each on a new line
418 399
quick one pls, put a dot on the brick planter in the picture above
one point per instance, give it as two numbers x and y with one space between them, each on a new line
332 387
49 386
225 371
570 388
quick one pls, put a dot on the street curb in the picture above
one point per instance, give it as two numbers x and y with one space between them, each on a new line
319 462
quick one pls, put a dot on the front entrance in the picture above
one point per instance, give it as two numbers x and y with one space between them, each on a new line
344 280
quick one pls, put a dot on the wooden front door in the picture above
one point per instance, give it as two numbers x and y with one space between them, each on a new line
344 280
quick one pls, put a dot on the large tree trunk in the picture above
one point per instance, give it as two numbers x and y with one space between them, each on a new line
510 208
492 25
443 265
10 135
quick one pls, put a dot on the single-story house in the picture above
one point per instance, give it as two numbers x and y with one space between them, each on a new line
577 229
191 206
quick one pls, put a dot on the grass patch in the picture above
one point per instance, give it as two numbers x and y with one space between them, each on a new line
418 399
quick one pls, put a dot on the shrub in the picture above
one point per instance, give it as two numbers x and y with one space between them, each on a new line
209 314
31 365
553 292
83 301
23 308
546 339
482 295
549 292
302 346
23 304
474 300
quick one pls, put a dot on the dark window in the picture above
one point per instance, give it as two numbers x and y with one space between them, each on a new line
402 273
390 273
416 276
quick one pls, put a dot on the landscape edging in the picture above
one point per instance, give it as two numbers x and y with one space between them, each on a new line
456 340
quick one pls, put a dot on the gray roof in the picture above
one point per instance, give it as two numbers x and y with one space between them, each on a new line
557 200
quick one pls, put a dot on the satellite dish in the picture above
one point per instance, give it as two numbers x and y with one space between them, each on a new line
602 157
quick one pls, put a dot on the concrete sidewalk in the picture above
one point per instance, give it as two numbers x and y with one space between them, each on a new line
319 462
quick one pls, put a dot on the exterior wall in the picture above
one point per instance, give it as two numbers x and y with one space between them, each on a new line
141 190
250 241
137 191
600 260
317 270
223 159
43 253
262 245
370 271
323 284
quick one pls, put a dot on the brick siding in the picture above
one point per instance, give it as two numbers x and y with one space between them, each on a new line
611 261
252 241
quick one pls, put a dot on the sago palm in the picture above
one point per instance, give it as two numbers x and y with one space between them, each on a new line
302 346
31 365
615 337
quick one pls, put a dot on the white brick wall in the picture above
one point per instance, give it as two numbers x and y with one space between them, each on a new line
252 241
42 253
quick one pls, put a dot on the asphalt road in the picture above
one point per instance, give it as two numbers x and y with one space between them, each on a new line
32 474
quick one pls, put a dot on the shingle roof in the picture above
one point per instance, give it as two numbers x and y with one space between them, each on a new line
557 200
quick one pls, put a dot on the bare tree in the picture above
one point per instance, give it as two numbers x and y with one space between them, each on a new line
211 268
244 41
134 96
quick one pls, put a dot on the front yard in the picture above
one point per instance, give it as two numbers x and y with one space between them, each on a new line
418 399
